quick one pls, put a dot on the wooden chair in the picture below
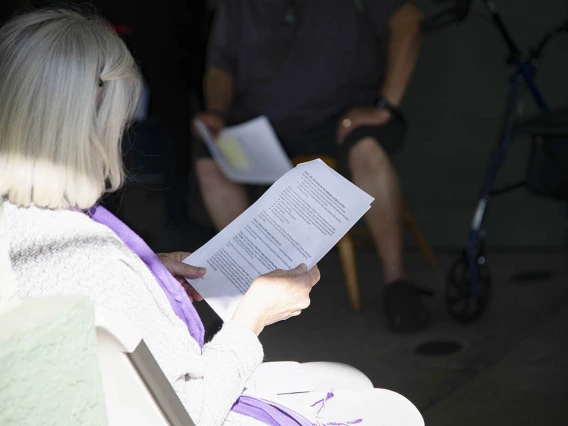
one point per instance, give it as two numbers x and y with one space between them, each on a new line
347 245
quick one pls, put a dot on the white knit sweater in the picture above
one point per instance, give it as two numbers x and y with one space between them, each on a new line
65 252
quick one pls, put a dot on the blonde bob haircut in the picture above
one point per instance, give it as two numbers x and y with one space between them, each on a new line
68 88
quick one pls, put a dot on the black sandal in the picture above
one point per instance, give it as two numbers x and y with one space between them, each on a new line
403 307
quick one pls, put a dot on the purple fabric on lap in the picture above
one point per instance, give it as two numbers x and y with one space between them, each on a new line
270 413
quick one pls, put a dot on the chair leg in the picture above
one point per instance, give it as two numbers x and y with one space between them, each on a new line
411 223
349 264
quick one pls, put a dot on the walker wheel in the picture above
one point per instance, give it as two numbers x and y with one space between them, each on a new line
461 303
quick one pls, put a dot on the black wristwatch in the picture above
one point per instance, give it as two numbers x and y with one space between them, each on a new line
383 103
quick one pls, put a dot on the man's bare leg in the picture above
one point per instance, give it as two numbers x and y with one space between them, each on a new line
224 200
373 172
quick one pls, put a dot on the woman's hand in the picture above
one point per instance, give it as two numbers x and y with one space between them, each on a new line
181 271
275 297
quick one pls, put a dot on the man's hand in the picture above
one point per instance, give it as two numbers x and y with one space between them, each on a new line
357 117
181 271
213 121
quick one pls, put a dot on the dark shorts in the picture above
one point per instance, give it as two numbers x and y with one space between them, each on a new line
390 137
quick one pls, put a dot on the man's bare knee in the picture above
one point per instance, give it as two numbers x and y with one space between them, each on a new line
367 156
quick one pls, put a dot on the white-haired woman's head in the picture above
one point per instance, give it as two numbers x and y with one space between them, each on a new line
68 87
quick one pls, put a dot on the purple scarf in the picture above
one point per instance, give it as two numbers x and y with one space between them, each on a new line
175 292
269 413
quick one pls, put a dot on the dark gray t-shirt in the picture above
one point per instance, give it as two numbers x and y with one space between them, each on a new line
303 76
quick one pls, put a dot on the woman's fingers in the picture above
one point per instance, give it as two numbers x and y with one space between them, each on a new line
298 270
276 296
173 263
313 275
188 271
179 255
195 295
191 292
303 276
181 269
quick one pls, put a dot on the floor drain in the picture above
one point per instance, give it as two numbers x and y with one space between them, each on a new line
439 347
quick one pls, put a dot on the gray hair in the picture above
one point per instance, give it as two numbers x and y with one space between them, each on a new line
68 88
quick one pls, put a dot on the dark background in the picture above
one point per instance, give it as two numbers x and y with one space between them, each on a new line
453 105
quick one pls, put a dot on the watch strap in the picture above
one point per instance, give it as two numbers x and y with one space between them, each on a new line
383 103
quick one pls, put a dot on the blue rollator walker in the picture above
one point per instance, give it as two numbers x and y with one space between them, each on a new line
468 286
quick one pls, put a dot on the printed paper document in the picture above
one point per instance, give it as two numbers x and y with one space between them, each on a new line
297 220
249 152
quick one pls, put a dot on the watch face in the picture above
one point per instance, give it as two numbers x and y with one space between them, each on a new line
382 104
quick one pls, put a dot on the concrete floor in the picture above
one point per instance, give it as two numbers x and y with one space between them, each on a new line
512 369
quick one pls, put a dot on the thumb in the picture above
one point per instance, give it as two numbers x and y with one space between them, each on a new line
184 270
298 270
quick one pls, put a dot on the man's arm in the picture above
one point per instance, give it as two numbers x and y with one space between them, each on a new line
218 90
221 63
218 87
402 54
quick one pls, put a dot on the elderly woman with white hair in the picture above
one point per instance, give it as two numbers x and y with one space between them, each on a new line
68 87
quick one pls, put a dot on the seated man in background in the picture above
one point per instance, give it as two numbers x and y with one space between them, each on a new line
329 75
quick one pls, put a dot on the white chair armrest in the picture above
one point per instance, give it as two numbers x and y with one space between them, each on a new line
136 390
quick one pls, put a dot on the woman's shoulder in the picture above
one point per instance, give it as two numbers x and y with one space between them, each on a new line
52 229
66 252
63 240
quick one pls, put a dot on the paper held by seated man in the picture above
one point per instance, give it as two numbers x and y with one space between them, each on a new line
247 153
297 220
